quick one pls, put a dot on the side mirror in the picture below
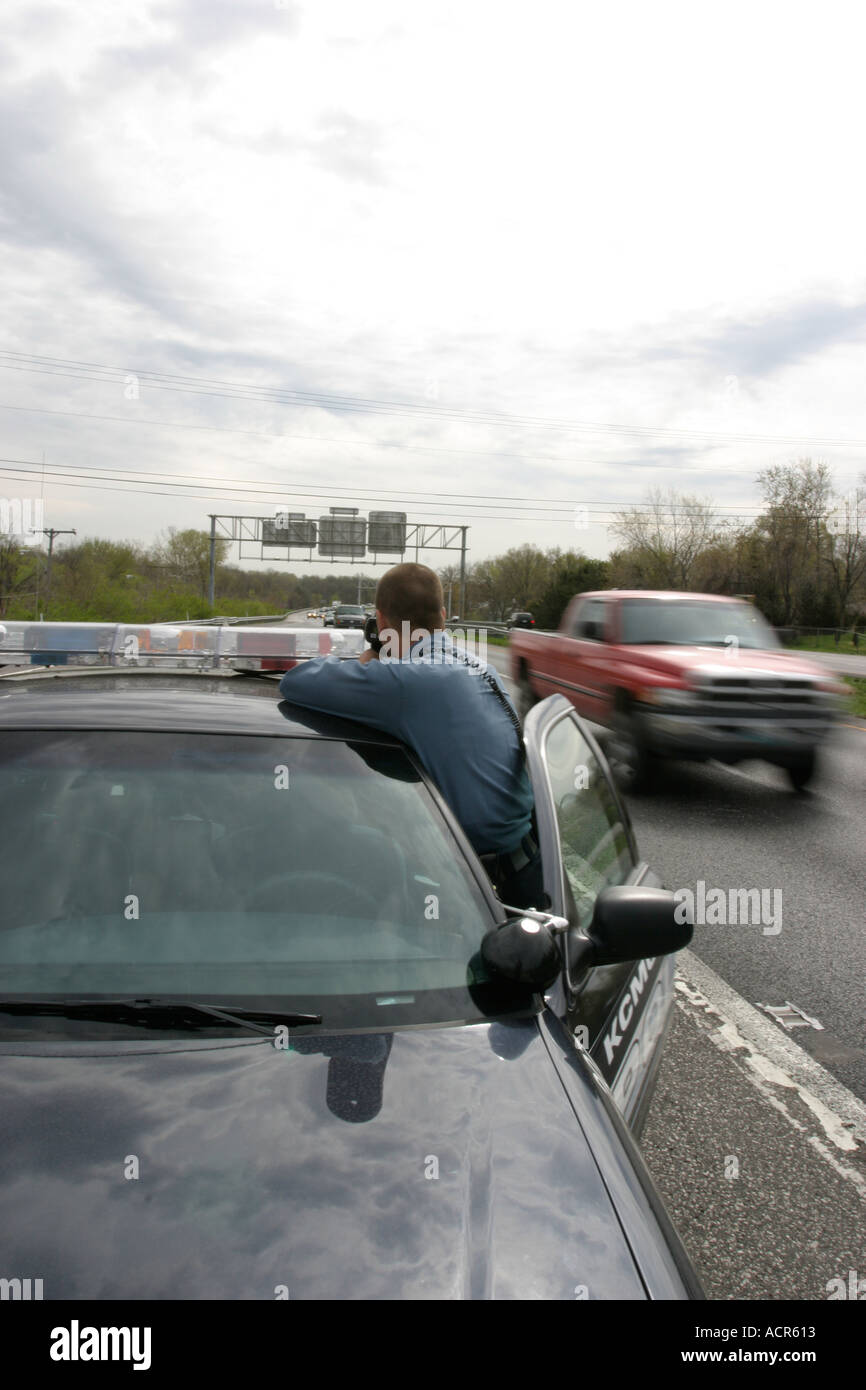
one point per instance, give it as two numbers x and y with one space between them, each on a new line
631 922
525 948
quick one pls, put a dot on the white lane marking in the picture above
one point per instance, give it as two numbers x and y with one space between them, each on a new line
754 777
775 1065
770 783
789 1016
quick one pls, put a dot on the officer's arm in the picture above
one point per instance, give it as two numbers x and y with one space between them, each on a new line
365 691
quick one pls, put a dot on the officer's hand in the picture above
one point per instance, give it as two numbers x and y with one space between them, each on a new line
368 655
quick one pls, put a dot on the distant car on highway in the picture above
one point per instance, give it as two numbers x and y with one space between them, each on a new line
680 675
349 615
521 620
290 1040
328 617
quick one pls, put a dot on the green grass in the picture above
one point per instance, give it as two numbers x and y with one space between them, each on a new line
858 695
160 606
825 643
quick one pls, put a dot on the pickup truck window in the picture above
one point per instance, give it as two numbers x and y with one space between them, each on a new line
588 622
595 845
693 623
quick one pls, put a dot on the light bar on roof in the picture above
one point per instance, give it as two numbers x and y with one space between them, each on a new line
163 644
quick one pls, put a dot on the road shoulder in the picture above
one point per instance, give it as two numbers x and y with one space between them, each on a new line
759 1153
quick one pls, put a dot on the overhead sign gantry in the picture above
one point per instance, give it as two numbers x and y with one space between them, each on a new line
342 534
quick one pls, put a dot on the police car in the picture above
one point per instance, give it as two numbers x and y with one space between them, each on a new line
241 1065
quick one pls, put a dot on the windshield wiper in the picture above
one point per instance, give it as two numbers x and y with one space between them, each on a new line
143 1010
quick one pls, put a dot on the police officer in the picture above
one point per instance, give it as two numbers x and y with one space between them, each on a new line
458 720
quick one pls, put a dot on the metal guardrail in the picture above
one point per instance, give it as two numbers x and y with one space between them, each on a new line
224 621
498 628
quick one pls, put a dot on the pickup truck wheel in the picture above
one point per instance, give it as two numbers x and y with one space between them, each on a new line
525 697
801 770
631 761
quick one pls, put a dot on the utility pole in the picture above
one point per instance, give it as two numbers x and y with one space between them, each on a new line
211 577
51 532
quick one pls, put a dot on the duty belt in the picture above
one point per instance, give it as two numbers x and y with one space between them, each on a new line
516 859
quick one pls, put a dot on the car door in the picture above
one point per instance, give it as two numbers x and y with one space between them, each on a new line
616 1013
588 658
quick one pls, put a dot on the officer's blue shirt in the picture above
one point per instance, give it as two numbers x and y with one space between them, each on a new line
448 715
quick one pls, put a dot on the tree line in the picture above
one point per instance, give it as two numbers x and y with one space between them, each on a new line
120 581
803 560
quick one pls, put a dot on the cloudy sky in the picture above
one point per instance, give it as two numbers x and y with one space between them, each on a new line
498 264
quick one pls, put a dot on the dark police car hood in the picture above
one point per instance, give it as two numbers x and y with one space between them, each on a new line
437 1163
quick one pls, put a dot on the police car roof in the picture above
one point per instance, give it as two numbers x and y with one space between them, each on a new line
166 701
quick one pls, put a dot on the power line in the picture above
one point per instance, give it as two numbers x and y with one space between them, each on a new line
342 488
170 381
194 496
160 492
450 500
362 443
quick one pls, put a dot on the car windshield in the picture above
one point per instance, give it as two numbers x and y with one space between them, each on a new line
695 623
349 608
307 873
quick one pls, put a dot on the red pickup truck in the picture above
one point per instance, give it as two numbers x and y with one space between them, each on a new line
676 675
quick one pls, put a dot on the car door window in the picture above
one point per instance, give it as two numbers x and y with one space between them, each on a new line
594 842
